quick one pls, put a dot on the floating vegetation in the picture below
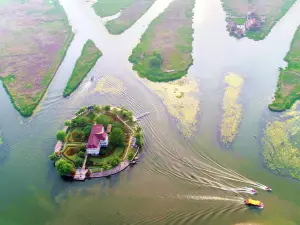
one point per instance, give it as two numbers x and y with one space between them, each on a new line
180 100
232 111
282 144
109 85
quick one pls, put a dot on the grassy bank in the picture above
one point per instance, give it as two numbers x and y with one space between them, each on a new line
27 73
274 10
288 86
88 58
129 16
104 8
164 52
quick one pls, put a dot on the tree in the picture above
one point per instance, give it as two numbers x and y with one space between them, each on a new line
115 162
61 135
87 130
78 136
139 139
117 137
54 157
64 167
82 148
107 108
130 156
117 125
103 119
81 155
156 60
97 108
68 123
78 162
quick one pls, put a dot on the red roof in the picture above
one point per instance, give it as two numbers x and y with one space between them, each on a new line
96 136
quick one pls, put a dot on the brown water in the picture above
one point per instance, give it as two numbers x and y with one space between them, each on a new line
178 180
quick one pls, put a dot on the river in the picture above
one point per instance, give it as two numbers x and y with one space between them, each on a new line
178 180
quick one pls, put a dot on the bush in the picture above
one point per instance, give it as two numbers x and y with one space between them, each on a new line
78 162
61 135
115 162
117 125
81 155
87 130
81 110
107 108
139 139
54 157
68 123
156 60
78 136
104 120
64 167
117 137
82 148
130 156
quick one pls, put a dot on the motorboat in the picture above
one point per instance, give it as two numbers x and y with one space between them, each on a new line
92 78
268 189
254 203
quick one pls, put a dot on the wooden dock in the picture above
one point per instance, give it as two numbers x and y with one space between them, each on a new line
80 174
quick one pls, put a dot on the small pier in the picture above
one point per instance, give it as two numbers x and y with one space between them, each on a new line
142 115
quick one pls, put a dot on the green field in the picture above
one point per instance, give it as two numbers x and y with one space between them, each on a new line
88 58
288 86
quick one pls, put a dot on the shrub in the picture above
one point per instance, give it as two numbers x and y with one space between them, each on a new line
68 123
107 108
87 130
115 162
117 125
139 139
130 156
61 135
78 162
81 110
117 137
64 167
156 60
78 136
81 155
54 157
82 148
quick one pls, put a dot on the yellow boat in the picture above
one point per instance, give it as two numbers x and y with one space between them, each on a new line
255 203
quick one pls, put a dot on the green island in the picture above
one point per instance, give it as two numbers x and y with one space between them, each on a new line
254 19
288 86
88 58
164 52
130 12
281 144
40 47
99 141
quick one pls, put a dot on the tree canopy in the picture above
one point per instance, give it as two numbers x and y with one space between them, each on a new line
64 167
61 135
53 157
103 119
117 137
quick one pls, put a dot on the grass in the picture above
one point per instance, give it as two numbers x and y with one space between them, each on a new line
178 59
25 103
239 21
288 86
129 16
106 8
98 160
88 58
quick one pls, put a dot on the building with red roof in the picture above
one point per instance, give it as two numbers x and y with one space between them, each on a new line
98 138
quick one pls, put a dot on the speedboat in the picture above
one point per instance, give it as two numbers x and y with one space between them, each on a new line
253 191
268 189
92 78
254 203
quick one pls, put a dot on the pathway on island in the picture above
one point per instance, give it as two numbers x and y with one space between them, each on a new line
122 166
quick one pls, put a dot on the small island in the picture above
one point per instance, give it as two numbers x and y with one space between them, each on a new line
99 141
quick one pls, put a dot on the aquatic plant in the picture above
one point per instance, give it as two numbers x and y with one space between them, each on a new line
281 148
232 111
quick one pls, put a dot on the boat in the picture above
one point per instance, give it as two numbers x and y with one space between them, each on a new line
268 189
92 78
254 203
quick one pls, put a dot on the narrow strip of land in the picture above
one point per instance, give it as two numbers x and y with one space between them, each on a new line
255 26
164 53
130 11
40 34
88 58
288 87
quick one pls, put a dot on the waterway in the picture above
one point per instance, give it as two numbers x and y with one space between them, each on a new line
178 180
